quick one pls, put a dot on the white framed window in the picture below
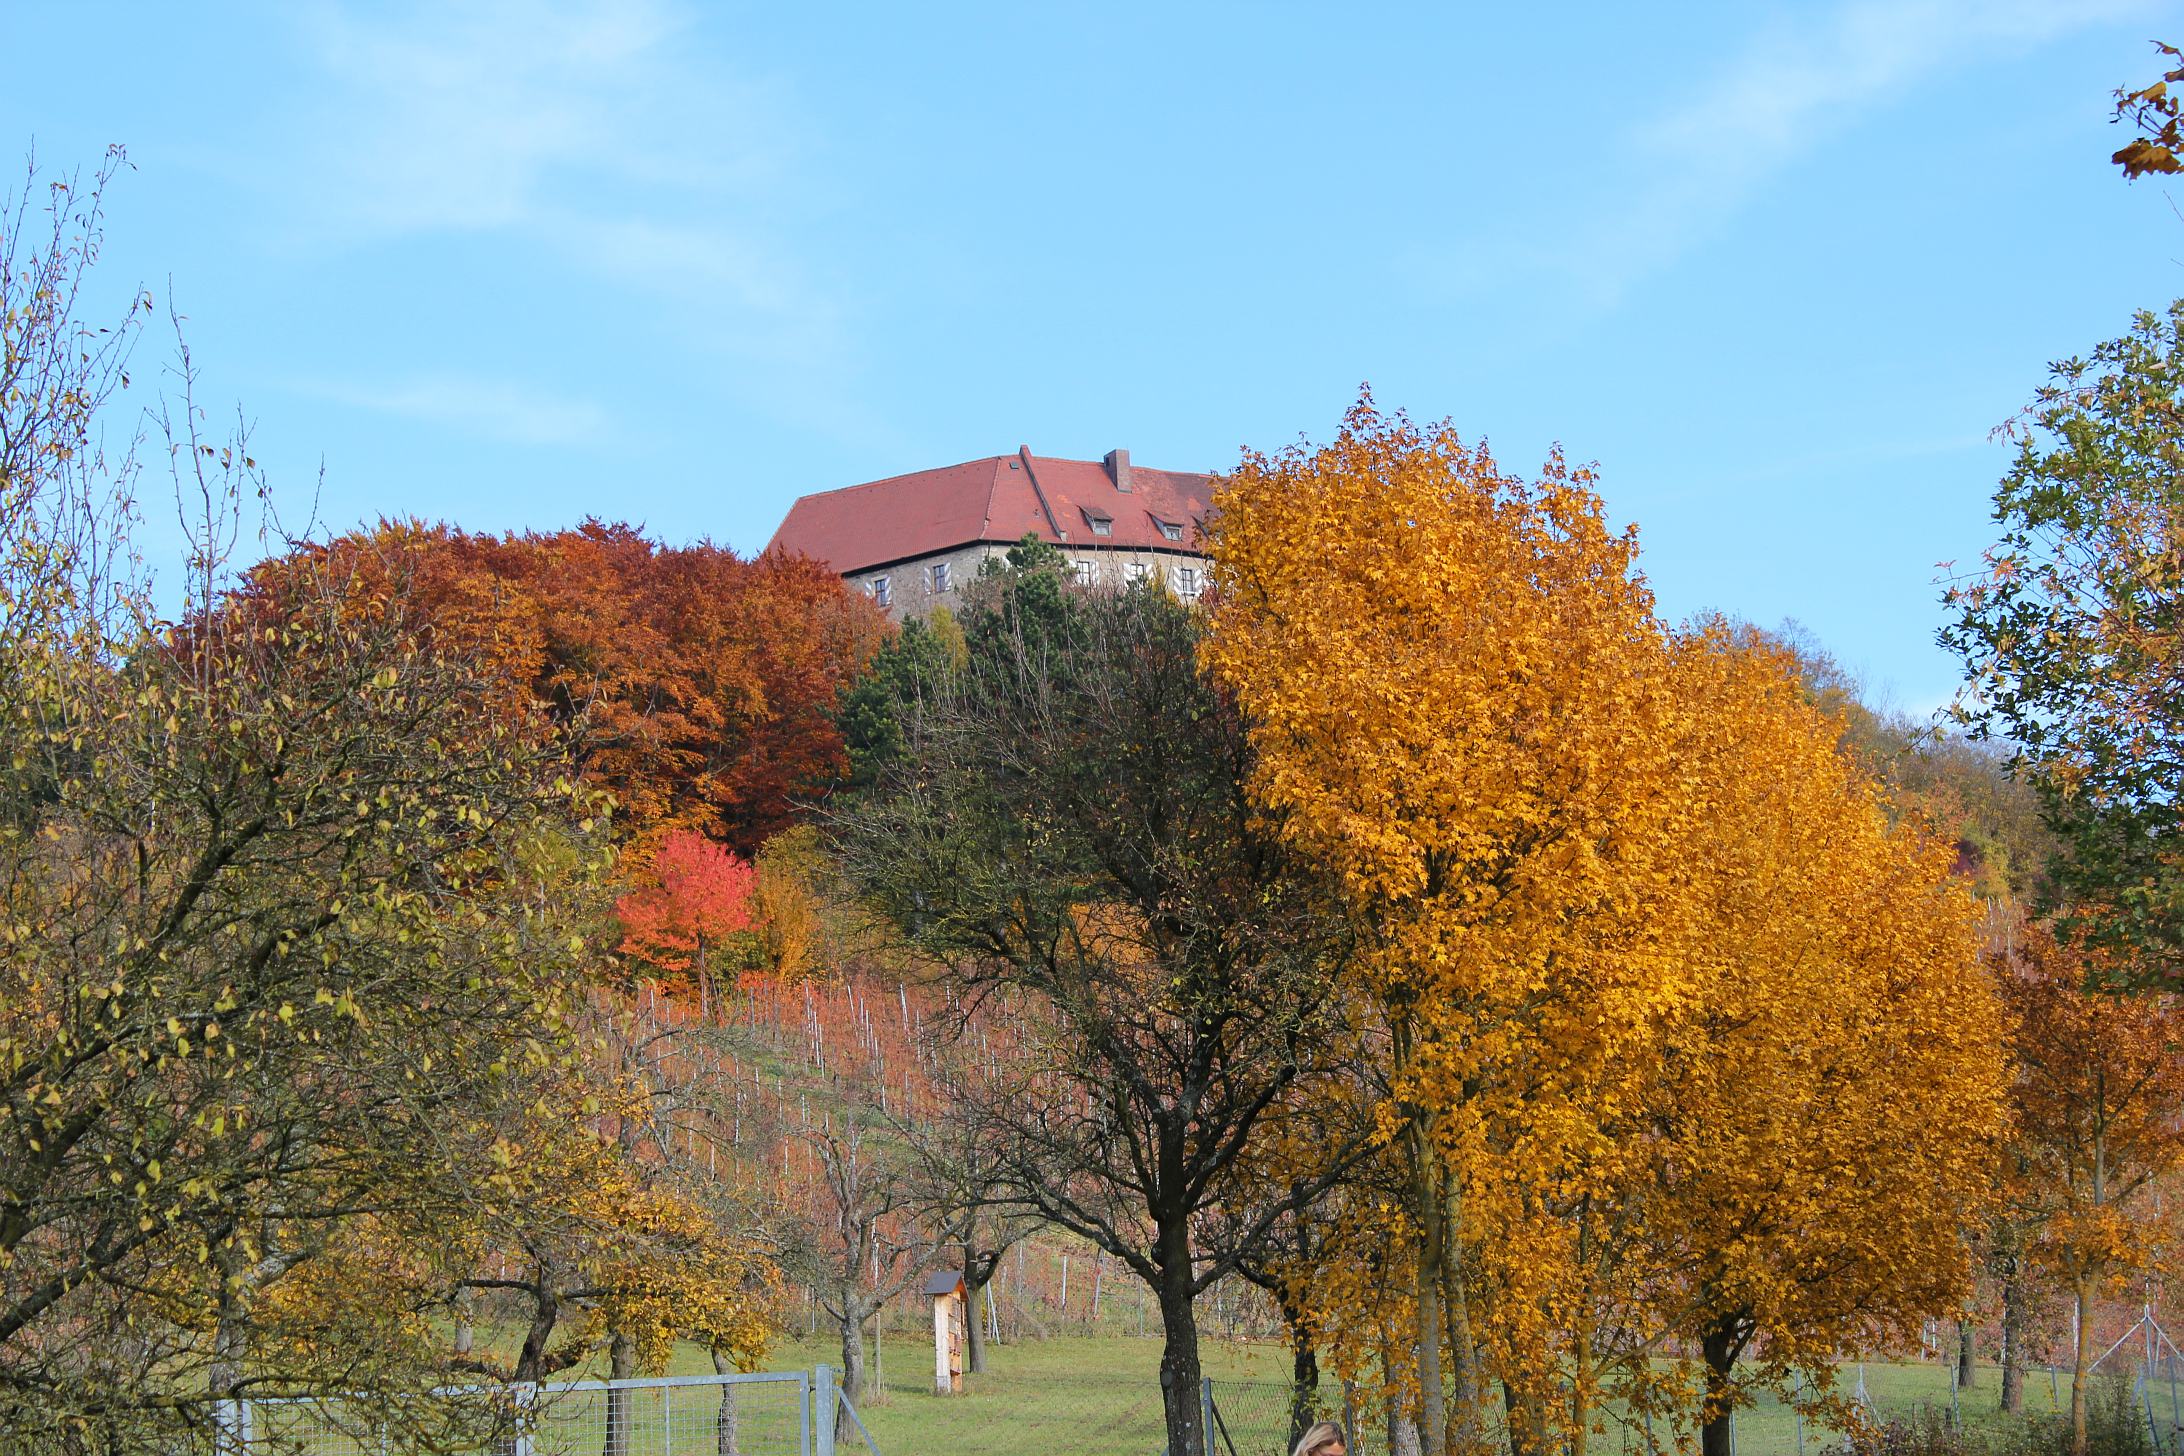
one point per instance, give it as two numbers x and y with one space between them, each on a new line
940 576
881 590
1138 571
1186 583
1082 571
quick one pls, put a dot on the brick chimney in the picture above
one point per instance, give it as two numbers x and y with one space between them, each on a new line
1118 465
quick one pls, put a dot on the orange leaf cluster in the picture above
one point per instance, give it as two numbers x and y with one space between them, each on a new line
697 893
704 683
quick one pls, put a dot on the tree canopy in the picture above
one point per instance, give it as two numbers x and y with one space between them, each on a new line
2068 632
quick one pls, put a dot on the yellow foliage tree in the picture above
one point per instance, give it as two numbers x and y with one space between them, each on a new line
1825 1109
1455 681
1691 1046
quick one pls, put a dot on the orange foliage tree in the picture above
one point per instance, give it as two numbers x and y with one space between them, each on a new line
705 683
2100 1095
1454 679
1823 1111
1656 967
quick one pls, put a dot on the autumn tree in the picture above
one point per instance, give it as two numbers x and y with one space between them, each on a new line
693 895
1308 1264
706 683
287 898
602 1250
1960 787
2068 633
1825 1107
2100 1095
296 911
1452 678
1068 836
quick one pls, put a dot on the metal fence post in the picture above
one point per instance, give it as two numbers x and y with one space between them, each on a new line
822 1411
1732 1431
524 1396
2176 1412
803 1414
1205 1414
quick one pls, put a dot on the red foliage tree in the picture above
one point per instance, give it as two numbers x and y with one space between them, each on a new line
695 894
704 682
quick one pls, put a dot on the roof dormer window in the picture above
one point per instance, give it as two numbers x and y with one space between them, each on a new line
1102 524
1173 530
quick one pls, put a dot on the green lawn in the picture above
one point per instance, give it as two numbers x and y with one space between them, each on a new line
1100 1396
1059 1397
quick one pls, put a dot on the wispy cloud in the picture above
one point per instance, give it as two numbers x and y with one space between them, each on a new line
1675 178
498 409
602 143
493 114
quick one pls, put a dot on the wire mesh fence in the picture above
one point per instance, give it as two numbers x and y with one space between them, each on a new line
1080 1413
1091 1415
740 1415
1917 1406
1264 1418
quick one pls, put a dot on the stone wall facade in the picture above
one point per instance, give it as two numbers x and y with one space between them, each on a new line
911 588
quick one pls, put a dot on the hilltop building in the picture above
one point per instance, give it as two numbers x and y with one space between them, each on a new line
914 541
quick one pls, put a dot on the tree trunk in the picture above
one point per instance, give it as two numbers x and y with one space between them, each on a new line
1464 1396
1426 1203
621 1365
229 1339
1402 1429
466 1301
1303 1375
1719 1349
2081 1369
545 1314
1523 1433
2013 1341
728 1420
1966 1370
1179 1369
1584 1381
853 1368
974 1326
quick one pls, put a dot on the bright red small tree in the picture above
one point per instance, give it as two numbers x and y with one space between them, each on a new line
694 894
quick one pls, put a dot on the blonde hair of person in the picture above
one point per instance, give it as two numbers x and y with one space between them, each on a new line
1326 1433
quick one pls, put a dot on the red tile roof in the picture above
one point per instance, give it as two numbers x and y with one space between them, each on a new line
998 499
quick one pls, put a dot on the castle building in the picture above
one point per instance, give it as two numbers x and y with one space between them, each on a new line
914 541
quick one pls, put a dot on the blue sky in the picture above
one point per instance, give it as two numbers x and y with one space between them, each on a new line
1778 268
